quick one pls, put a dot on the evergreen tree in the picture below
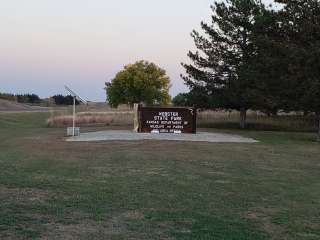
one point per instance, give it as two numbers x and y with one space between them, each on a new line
28 98
300 28
181 100
269 64
59 99
220 72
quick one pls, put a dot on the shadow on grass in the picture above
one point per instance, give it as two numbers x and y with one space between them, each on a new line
265 133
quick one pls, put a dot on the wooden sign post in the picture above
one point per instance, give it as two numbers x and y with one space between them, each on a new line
166 120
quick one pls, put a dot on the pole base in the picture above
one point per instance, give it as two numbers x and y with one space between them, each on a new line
70 131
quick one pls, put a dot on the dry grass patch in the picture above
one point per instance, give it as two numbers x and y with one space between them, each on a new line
93 118
257 120
216 119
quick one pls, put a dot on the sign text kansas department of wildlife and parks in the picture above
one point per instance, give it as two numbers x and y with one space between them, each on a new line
167 120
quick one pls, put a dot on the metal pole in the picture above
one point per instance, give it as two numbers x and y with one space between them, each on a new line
74 116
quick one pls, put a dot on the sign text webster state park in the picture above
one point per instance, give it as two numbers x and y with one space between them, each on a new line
167 120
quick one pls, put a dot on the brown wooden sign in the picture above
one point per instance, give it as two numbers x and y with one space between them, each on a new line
167 120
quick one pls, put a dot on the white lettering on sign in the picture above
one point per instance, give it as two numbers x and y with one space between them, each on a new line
166 121
171 122
158 118
152 122
157 126
176 118
168 114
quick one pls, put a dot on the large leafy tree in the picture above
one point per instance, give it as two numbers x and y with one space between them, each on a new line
141 82
221 71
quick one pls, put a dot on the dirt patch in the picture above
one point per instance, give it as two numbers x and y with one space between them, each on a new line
217 173
264 217
44 177
135 215
69 232
222 181
23 194
156 171
276 169
114 227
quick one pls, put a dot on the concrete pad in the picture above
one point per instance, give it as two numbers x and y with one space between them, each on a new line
125 135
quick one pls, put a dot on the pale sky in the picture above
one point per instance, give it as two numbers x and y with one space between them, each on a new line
45 44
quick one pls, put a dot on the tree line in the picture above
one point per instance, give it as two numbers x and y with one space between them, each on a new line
57 99
252 56
21 98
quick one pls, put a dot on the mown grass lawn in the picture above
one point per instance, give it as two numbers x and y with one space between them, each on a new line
51 189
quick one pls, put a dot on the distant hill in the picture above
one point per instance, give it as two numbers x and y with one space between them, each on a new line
9 106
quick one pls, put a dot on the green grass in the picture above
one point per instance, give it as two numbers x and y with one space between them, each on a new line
156 190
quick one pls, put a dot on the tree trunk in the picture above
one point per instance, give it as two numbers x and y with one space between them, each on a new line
243 118
136 117
318 117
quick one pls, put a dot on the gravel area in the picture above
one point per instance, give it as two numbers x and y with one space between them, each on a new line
125 135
